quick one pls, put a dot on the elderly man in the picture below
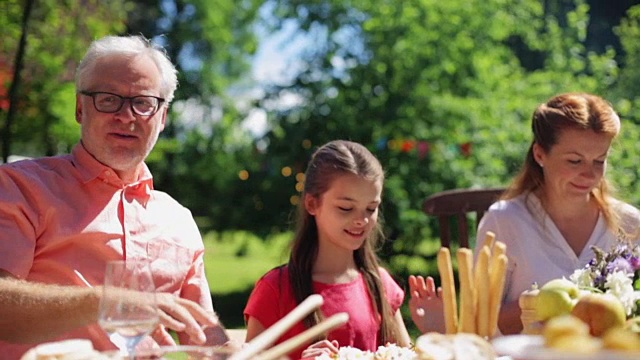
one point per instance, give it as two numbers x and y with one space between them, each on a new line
63 218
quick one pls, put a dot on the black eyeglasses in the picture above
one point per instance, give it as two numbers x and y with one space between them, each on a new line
142 105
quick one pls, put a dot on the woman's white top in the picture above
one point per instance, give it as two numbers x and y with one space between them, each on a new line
536 249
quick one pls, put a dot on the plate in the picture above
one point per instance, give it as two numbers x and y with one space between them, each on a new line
531 347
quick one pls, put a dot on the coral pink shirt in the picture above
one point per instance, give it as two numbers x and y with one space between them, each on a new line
70 214
272 299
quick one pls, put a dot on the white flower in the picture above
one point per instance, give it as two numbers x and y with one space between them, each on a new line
620 285
394 352
389 352
582 277
348 353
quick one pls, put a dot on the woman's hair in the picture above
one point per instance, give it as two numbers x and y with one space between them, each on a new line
332 160
568 111
109 46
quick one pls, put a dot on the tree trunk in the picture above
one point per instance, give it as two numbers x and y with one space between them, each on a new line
13 90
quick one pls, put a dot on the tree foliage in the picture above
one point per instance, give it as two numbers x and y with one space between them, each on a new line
204 146
58 33
441 91
462 77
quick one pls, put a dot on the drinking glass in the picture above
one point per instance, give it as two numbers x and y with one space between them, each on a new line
128 307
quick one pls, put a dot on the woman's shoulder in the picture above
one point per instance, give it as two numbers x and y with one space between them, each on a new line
511 207
624 209
510 218
628 214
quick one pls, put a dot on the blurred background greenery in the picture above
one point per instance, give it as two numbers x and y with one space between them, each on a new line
441 91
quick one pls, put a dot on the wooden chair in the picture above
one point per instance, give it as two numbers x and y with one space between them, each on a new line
456 204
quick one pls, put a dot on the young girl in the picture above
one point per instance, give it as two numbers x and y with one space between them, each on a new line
333 255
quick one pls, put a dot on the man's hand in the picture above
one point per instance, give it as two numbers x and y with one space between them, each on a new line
186 316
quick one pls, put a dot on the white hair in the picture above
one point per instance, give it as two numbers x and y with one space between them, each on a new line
129 45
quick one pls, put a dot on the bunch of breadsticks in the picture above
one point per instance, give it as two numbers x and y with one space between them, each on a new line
481 288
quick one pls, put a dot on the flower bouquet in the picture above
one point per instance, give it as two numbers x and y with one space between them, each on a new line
616 272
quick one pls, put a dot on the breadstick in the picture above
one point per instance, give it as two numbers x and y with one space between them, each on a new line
489 239
498 278
304 337
499 248
271 335
467 291
484 288
448 291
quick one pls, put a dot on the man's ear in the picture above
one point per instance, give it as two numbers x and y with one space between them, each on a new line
164 117
78 109
311 203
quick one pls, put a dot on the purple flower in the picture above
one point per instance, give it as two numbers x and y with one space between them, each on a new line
599 282
620 264
622 258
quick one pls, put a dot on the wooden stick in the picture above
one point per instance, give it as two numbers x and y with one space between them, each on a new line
484 288
467 291
270 335
304 337
448 291
498 278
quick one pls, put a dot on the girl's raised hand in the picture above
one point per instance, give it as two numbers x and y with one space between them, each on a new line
426 304
320 348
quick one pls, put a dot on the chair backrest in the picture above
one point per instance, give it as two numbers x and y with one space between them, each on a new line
456 205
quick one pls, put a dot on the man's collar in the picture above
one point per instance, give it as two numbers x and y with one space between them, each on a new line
91 169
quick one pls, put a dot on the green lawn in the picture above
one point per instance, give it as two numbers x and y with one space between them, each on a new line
234 262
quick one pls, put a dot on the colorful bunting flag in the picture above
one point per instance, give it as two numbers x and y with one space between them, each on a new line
422 147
